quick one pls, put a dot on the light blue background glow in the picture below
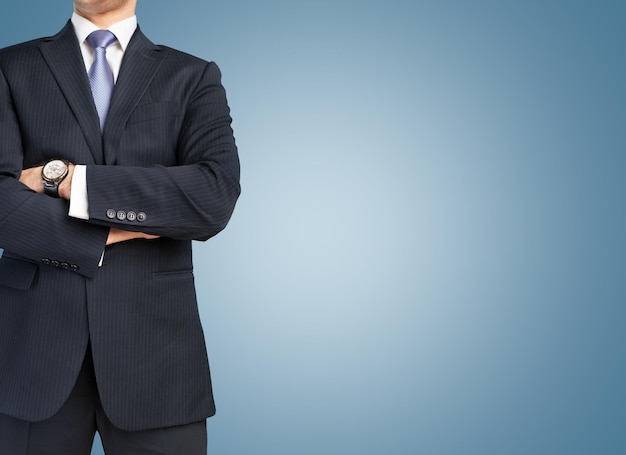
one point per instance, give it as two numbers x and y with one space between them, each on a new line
428 256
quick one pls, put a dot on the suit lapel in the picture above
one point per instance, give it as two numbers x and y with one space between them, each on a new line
141 62
62 55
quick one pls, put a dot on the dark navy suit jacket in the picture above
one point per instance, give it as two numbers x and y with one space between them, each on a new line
168 158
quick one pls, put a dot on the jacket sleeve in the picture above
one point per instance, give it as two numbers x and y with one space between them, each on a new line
35 226
192 200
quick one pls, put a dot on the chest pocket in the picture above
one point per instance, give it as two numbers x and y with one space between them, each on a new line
16 273
151 133
153 111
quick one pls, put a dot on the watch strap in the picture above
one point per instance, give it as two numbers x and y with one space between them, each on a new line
51 188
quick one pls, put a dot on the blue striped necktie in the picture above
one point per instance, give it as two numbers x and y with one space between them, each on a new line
100 74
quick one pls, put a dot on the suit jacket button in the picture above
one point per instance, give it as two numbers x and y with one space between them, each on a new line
141 217
121 215
131 216
111 213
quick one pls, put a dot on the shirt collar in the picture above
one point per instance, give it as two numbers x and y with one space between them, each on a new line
123 30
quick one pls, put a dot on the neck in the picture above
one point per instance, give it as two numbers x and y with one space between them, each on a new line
105 19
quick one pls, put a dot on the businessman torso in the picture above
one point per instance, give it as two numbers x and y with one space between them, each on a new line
166 163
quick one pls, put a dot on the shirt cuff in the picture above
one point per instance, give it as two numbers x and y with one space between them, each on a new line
79 203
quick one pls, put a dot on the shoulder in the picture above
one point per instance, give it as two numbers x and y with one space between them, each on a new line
21 49
23 52
20 59
181 58
173 58
196 68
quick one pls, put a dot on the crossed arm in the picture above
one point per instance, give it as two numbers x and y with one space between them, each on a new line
32 178
189 196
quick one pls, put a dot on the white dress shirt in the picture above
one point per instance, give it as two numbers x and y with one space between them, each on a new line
123 31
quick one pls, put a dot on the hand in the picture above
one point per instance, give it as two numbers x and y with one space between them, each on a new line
118 235
32 178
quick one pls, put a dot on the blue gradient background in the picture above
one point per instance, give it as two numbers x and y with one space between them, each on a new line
428 256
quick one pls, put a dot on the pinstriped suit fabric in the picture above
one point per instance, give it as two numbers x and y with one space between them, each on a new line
32 324
166 164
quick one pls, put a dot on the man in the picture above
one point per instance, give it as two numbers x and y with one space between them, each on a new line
101 196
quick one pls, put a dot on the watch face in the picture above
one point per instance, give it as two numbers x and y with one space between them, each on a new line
54 169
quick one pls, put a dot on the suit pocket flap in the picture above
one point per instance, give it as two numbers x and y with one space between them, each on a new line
17 274
153 111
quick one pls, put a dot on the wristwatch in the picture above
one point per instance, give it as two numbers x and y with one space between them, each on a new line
52 174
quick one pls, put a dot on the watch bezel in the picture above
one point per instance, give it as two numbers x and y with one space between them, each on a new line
59 178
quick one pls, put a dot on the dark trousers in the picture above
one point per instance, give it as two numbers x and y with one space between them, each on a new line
71 431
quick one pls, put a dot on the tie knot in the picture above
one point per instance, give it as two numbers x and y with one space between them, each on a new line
101 38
